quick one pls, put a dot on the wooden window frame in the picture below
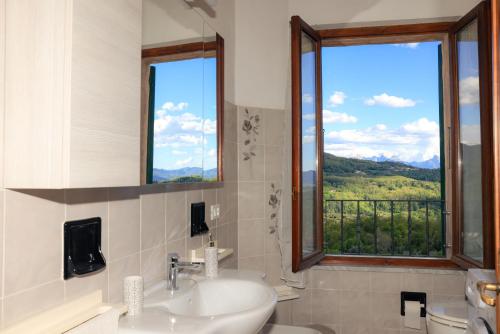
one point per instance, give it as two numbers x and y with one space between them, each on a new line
363 35
482 14
183 52
298 261
391 34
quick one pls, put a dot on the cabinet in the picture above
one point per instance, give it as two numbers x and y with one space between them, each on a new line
72 98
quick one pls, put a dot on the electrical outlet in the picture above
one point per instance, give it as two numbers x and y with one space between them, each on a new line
214 211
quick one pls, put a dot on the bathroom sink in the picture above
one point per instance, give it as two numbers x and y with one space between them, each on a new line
231 304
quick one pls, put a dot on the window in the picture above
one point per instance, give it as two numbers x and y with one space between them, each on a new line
307 145
406 131
182 113
384 158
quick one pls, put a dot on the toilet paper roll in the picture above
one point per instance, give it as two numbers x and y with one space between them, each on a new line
412 314
133 294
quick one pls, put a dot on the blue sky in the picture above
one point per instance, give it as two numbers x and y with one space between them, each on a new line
382 99
185 114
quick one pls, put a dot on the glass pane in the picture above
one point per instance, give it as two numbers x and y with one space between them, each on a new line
470 140
178 121
383 156
309 154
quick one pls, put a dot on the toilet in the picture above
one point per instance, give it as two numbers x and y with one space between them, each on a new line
281 329
447 318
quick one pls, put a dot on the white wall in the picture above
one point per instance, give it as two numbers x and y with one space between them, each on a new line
261 52
356 11
224 23
262 35
167 22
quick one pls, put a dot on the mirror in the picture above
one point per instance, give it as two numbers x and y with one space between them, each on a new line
182 95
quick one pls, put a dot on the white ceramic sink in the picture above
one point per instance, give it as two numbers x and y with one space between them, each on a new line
232 303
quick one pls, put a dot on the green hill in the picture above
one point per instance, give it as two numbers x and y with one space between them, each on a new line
339 166
356 179
346 178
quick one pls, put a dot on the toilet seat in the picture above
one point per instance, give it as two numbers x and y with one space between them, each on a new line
450 314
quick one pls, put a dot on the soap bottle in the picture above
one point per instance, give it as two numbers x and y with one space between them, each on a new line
211 258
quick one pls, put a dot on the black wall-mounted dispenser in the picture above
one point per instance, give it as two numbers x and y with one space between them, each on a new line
82 247
198 224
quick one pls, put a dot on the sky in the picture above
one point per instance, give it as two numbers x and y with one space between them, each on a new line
185 114
382 100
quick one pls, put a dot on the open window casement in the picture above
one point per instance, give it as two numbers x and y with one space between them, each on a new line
472 139
307 146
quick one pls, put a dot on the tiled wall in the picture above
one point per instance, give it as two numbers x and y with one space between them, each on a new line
365 299
340 299
140 225
260 159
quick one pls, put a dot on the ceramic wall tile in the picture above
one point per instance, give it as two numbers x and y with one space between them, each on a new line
33 238
153 264
152 220
118 270
124 222
251 200
89 203
176 211
251 238
28 302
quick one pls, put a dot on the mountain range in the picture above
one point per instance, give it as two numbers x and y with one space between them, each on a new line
431 163
335 166
162 175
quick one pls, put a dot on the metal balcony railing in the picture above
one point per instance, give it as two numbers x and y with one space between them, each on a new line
383 227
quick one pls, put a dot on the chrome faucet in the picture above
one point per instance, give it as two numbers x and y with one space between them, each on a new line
174 266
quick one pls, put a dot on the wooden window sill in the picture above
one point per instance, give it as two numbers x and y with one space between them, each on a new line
388 261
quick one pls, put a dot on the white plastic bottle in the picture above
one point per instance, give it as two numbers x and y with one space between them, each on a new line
211 259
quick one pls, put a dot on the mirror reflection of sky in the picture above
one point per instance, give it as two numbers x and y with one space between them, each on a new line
382 101
468 78
308 76
185 114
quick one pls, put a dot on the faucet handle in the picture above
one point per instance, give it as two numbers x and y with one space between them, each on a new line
173 257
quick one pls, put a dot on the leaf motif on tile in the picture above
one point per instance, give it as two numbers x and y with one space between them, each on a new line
274 203
250 128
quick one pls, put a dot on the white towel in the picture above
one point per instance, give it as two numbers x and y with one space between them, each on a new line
105 323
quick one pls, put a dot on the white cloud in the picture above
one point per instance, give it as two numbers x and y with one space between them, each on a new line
422 125
469 90
308 139
307 98
183 163
470 134
184 124
407 45
337 98
209 127
177 140
311 130
177 152
413 141
387 100
212 152
337 117
171 106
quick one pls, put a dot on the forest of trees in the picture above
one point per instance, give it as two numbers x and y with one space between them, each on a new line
382 188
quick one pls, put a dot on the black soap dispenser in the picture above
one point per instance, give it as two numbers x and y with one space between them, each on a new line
82 247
